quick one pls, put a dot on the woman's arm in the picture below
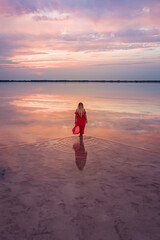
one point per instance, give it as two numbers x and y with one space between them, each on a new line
75 117
85 116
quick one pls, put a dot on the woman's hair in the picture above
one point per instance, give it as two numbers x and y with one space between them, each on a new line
80 108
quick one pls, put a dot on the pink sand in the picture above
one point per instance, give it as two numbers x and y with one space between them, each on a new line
101 191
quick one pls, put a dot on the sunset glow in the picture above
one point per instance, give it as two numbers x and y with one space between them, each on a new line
64 103
79 39
35 116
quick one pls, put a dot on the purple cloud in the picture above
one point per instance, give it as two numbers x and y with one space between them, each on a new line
94 8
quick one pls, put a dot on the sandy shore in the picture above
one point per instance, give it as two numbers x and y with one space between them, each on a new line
70 189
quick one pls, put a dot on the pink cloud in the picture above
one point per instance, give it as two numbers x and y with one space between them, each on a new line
62 34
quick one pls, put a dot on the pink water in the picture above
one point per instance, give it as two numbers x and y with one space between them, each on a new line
126 113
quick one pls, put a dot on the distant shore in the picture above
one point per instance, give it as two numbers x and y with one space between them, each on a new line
93 81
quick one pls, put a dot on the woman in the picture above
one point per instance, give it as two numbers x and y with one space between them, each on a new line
80 120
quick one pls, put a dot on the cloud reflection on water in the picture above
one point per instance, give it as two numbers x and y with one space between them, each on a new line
58 103
33 117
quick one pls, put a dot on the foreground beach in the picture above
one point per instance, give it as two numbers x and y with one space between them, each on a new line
70 189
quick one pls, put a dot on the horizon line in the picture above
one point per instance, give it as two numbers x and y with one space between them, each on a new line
100 81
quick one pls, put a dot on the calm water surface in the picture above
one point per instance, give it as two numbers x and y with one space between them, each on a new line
125 113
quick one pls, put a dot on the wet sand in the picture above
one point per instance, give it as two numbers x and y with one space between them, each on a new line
67 188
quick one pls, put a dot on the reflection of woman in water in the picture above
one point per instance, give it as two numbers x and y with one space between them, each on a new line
80 120
80 154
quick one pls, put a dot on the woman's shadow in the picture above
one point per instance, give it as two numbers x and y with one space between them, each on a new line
80 154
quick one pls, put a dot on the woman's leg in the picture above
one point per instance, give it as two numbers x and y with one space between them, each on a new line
82 130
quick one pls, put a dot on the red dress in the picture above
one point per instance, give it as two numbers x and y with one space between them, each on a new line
80 123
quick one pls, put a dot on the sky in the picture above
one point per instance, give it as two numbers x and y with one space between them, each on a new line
80 39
